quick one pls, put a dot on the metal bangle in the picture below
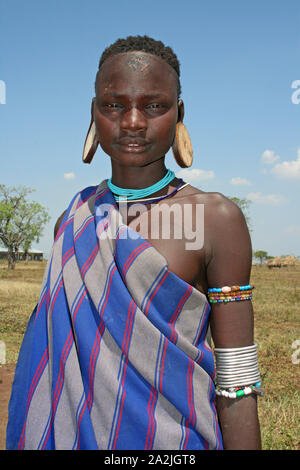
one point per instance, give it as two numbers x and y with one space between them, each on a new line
236 366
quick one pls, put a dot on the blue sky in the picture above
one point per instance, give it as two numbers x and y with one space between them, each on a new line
239 61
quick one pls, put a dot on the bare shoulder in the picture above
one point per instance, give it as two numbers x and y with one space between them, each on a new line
225 228
218 207
58 223
225 221
222 207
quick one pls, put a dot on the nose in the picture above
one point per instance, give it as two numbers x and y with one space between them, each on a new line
133 120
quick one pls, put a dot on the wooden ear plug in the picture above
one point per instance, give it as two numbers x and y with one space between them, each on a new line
182 146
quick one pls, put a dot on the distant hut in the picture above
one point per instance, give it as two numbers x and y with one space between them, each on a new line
290 261
32 255
275 262
284 261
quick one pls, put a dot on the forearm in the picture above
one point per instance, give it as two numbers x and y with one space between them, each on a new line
239 423
232 328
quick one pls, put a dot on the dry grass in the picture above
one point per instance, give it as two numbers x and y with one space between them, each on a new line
19 293
277 326
277 317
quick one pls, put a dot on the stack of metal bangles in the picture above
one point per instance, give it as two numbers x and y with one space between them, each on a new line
237 371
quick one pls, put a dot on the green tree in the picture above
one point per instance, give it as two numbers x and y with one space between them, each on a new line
21 221
261 255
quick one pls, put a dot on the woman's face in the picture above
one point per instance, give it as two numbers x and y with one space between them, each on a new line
136 108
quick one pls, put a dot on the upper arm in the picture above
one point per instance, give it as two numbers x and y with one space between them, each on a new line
230 264
58 223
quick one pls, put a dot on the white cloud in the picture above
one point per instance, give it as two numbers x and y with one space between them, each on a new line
267 199
69 176
195 175
288 169
268 157
237 181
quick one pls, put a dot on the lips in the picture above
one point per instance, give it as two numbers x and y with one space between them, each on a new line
132 141
130 144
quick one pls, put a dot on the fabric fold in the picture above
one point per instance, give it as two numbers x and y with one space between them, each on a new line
117 352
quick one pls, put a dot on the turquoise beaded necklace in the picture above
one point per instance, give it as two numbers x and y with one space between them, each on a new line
130 194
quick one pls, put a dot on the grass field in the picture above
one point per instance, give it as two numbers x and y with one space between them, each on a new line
277 327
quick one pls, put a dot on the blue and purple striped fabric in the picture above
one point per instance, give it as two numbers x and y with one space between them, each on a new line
116 353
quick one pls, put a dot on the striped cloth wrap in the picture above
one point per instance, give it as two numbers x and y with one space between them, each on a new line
116 354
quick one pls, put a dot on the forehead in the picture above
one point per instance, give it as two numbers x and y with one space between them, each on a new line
135 70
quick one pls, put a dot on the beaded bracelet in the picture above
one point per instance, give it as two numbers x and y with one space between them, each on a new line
228 289
230 294
216 299
237 392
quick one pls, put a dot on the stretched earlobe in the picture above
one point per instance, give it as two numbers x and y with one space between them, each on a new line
180 110
90 145
91 142
182 146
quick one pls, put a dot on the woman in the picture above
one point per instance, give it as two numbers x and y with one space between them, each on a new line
117 353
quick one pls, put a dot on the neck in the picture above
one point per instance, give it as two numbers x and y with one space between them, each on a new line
138 177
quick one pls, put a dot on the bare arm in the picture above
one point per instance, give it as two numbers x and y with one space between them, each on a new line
58 223
232 323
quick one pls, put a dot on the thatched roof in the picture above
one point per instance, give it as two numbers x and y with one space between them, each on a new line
284 261
274 261
290 261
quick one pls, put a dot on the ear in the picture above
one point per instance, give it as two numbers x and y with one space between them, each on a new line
91 142
180 111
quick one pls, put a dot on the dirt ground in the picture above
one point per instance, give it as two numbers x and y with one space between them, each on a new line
6 379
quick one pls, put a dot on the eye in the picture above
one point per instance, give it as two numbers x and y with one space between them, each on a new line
153 106
113 105
156 108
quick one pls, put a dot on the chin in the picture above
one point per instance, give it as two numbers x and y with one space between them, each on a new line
134 160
